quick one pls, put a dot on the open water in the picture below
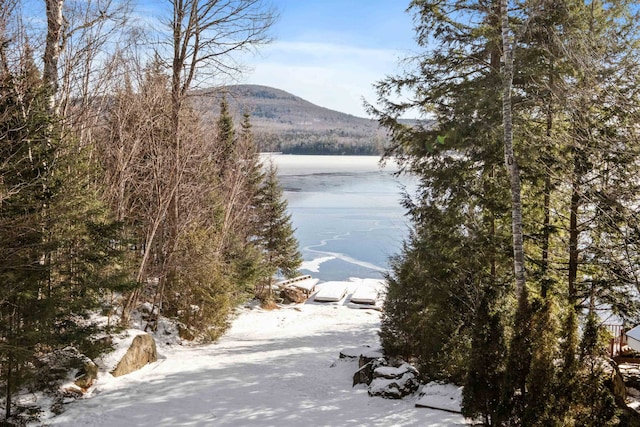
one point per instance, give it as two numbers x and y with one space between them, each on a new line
346 211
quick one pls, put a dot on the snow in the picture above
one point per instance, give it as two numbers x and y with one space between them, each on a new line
390 371
314 265
447 397
364 351
364 295
332 291
272 368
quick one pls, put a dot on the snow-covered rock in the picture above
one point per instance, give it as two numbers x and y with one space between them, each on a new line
68 363
391 372
631 374
615 381
365 351
394 382
364 375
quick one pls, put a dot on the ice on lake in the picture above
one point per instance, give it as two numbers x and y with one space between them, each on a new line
346 211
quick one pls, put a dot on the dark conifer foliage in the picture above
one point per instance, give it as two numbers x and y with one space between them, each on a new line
27 154
460 247
515 387
226 138
486 365
573 100
275 235
110 191
60 250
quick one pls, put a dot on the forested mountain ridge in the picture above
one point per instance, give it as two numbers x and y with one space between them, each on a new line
285 122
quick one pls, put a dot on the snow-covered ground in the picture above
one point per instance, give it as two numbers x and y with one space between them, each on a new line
273 368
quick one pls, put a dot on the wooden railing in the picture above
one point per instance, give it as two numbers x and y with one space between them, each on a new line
618 340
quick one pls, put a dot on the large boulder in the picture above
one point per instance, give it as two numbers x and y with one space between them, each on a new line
87 374
141 352
394 382
630 374
623 381
391 378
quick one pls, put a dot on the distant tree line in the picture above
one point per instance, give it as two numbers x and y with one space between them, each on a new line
526 232
113 192
320 143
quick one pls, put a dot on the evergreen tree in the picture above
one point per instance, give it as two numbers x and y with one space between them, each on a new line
461 213
518 365
603 46
573 62
594 404
275 236
250 159
60 249
27 156
541 399
225 139
486 366
567 380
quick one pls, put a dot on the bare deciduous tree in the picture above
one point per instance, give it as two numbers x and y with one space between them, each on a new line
94 34
205 34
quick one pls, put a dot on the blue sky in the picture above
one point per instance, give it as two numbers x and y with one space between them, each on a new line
331 52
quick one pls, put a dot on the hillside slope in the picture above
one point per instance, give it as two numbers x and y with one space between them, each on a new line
285 122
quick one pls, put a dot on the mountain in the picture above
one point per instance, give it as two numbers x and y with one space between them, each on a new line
285 122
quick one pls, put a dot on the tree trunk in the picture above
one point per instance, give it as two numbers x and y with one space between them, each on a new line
52 50
9 385
573 238
10 363
546 225
509 158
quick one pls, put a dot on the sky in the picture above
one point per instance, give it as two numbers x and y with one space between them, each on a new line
331 52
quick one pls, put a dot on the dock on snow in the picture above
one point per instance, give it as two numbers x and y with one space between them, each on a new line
362 292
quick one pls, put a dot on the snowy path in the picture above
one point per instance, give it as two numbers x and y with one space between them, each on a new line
273 368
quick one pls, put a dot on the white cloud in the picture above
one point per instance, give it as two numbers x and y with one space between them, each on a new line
335 76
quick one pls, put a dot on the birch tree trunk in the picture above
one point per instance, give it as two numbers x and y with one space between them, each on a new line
52 50
509 158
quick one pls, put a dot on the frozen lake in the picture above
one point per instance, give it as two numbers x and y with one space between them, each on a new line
346 211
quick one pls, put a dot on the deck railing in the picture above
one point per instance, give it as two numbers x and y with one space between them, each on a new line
618 340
